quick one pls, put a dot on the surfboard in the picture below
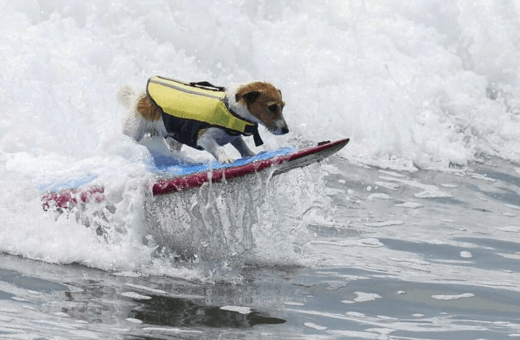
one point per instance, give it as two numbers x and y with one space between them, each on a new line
179 176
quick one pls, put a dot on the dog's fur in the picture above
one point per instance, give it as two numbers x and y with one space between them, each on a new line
257 102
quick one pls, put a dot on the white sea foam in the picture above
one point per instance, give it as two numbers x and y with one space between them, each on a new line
411 205
136 296
509 229
314 326
364 242
429 191
384 223
412 85
363 297
238 309
387 185
133 320
378 196
152 290
366 297
453 297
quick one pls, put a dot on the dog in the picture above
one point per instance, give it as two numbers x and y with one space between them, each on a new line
203 116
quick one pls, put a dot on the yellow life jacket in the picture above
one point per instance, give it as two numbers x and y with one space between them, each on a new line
188 108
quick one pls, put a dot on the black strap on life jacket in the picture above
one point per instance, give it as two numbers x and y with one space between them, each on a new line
258 140
256 135
207 86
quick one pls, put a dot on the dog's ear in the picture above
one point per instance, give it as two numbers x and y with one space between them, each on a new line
249 97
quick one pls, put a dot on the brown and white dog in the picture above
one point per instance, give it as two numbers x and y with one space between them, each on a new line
256 102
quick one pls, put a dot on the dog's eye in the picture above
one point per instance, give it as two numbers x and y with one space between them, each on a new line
273 108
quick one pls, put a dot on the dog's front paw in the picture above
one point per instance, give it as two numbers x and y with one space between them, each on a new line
225 159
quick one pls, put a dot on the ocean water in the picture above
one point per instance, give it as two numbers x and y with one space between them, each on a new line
410 232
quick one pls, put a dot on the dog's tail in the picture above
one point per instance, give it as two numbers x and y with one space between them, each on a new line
126 96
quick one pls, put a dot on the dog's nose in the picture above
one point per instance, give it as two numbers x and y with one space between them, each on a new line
285 130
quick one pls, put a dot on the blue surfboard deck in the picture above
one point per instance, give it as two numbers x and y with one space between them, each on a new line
168 167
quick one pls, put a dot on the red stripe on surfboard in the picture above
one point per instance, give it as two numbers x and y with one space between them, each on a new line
68 198
167 186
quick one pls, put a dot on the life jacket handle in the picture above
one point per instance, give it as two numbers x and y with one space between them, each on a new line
207 85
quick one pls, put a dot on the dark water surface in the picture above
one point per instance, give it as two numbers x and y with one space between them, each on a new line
445 267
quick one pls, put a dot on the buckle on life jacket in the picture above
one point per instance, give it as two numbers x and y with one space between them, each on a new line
253 130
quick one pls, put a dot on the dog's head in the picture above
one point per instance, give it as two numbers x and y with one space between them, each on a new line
264 102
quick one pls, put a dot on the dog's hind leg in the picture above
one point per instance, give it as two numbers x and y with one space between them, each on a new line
133 126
